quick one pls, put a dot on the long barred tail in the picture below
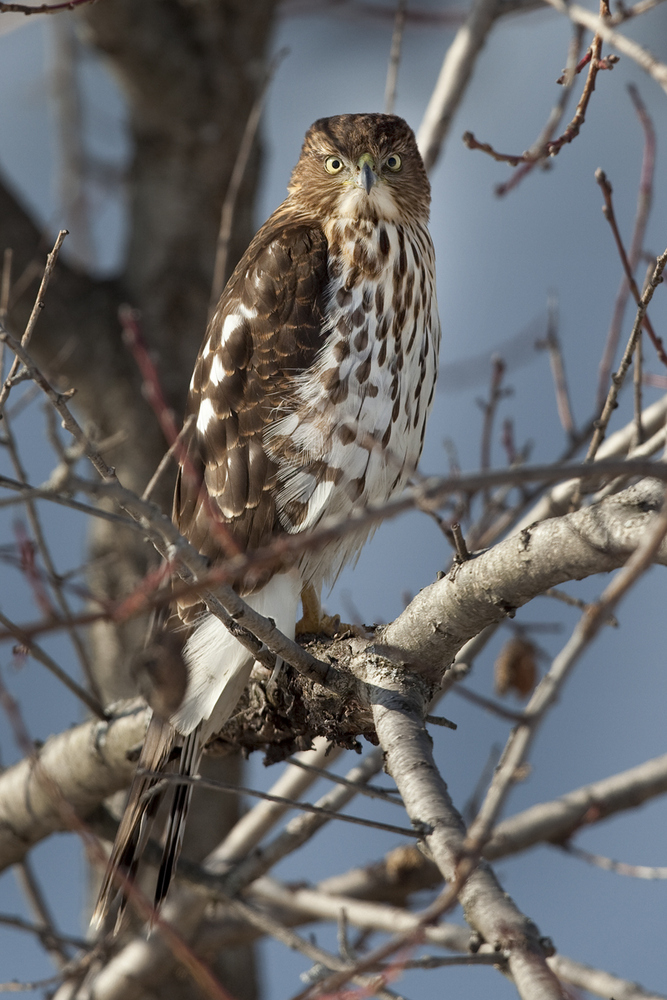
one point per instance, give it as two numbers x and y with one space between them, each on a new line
191 752
135 824
218 670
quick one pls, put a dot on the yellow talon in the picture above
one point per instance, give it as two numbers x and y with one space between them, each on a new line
314 621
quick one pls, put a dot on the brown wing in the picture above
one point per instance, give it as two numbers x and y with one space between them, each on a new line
267 329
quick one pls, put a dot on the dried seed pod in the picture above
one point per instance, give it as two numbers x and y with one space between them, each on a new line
516 668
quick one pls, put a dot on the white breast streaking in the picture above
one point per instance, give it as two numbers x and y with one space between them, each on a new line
357 431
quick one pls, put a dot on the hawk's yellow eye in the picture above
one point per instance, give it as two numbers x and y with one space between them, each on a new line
333 164
394 162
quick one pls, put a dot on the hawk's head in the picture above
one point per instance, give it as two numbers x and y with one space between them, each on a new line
364 166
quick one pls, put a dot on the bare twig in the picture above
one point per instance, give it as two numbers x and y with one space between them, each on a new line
43 8
637 396
644 199
42 657
462 553
496 393
456 71
36 309
558 500
234 186
618 378
394 57
370 791
233 789
618 867
545 146
605 28
302 828
609 214
574 602
324 960
552 344
41 932
440 720
45 552
74 205
488 704
45 929
549 687
559 819
168 456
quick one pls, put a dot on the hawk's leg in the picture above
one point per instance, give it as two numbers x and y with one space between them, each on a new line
314 621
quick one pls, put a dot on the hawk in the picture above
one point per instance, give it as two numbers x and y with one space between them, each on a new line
311 393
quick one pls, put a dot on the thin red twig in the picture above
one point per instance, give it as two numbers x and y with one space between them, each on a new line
152 387
644 199
608 211
545 146
29 568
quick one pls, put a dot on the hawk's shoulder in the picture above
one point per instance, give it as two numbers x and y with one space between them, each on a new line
266 331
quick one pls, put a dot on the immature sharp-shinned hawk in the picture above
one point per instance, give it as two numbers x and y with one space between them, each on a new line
311 390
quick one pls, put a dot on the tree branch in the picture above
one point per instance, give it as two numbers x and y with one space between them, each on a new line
87 764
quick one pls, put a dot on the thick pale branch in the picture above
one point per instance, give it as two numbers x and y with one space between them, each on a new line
144 964
406 871
455 74
302 905
398 713
87 764
428 634
557 820
597 539
557 500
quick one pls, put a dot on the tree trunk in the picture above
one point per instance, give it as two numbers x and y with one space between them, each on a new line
190 73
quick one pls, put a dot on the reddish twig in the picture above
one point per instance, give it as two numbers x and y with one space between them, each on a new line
607 63
644 199
546 146
152 388
29 568
618 377
471 142
655 381
608 212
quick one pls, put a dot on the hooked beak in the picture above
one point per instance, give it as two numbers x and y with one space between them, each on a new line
366 177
